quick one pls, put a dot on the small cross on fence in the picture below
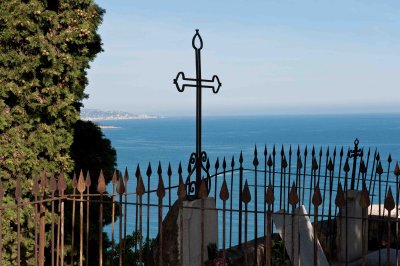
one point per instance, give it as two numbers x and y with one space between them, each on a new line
199 157
355 154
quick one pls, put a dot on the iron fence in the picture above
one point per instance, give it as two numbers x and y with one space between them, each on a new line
249 199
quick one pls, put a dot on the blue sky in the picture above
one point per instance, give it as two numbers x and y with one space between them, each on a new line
272 57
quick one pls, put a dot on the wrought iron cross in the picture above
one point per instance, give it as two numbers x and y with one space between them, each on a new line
199 157
354 154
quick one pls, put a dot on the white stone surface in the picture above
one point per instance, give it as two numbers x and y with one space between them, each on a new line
192 230
301 223
354 230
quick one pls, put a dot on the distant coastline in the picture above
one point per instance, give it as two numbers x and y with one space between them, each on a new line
99 115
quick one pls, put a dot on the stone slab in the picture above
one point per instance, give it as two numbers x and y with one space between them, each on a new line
303 223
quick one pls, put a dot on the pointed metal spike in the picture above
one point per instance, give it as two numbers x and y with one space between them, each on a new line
389 201
341 152
314 164
305 152
369 152
246 196
348 153
114 178
363 169
265 150
126 175
340 200
316 199
364 199
18 190
180 168
330 165
255 161
208 164
88 181
269 162
241 157
224 164
269 195
35 188
159 170
137 173
255 150
53 184
149 171
299 163
346 167
224 193
181 189
390 158
140 186
313 151
293 197
290 150
273 150
282 151
160 188
334 152
378 157
320 151
101 183
62 183
298 151
284 163
81 183
43 180
120 185
233 162
217 163
327 151
379 169
397 170
169 171
362 152
189 168
203 190
74 181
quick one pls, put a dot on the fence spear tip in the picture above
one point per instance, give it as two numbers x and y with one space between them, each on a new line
246 196
389 201
340 201
101 184
203 190
316 199
293 197
397 170
224 193
269 195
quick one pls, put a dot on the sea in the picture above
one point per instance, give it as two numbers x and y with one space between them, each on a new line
171 140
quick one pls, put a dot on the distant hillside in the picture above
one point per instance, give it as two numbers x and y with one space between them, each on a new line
96 115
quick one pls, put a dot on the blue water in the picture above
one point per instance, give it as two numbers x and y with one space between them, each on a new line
165 140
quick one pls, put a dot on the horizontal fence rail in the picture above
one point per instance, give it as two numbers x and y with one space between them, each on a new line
287 185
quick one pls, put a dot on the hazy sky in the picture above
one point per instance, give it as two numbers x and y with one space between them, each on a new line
271 56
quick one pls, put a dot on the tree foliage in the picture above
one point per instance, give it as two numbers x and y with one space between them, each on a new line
45 50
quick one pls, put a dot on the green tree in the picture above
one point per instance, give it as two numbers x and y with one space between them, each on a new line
45 50
92 152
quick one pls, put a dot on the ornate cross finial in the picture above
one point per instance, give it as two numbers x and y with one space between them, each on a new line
355 154
181 82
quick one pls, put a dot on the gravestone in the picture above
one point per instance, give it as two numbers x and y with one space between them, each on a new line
354 228
192 230
301 223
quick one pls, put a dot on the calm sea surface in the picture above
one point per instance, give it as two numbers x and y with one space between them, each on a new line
173 140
